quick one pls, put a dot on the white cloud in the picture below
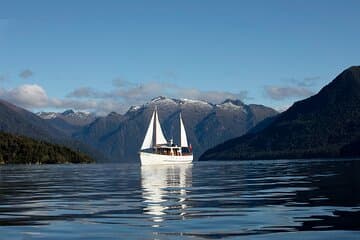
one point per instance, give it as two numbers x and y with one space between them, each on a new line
132 94
287 92
119 99
212 96
33 96
27 95
293 89
101 107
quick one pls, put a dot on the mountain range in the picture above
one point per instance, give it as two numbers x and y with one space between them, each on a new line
326 125
120 136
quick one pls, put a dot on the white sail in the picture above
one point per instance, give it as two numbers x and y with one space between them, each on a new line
154 136
183 138
160 138
148 140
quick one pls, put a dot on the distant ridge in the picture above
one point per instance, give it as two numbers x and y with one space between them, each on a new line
18 121
324 125
79 118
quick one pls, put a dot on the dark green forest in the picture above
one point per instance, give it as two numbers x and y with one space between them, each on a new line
23 150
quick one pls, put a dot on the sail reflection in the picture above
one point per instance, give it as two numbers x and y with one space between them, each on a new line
164 190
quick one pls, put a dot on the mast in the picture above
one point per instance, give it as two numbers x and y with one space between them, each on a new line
154 127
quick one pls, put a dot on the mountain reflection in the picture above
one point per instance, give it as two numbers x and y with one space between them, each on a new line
164 191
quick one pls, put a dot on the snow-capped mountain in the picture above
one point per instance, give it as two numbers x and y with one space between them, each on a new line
165 102
207 124
230 104
119 137
79 118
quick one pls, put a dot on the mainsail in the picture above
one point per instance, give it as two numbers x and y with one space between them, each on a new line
154 134
183 138
159 135
148 140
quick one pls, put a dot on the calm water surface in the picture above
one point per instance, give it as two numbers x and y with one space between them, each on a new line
245 200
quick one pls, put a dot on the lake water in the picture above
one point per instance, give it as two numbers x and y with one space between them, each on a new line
210 200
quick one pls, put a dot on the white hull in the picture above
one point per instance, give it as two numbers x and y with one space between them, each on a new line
159 159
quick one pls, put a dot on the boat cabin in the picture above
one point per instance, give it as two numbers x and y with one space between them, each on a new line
172 150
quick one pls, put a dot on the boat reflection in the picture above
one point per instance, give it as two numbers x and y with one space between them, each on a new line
164 190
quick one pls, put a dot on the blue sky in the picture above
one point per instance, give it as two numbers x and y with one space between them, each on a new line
107 55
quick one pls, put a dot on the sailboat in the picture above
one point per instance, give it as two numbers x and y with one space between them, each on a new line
155 149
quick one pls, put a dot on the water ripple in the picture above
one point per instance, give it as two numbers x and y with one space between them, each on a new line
259 199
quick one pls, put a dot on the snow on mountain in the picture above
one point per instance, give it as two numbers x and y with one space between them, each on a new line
134 108
195 102
165 101
161 100
230 104
47 115
79 118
